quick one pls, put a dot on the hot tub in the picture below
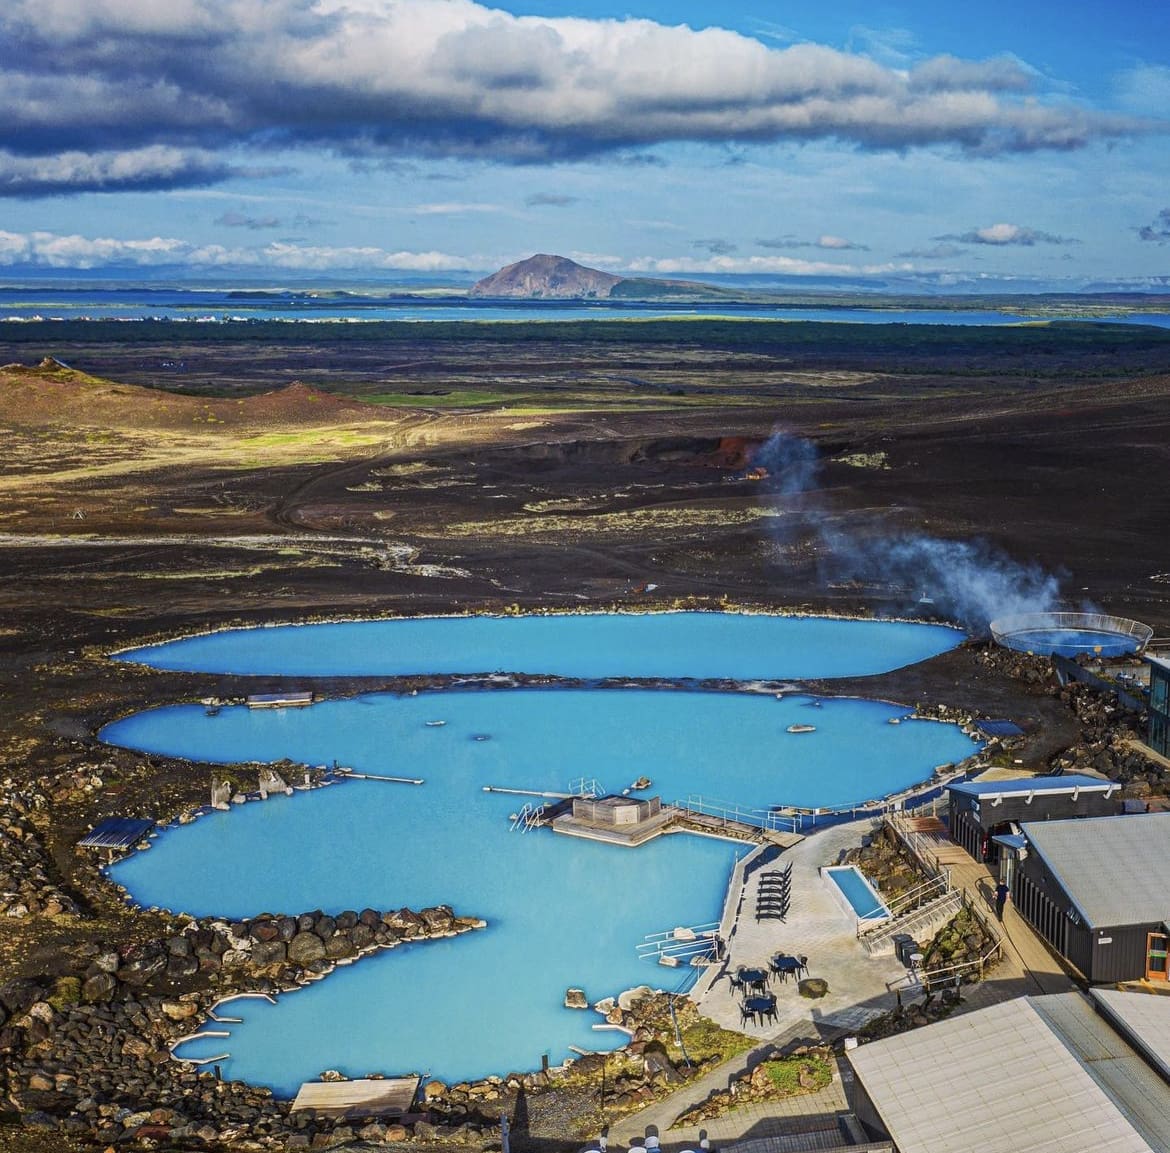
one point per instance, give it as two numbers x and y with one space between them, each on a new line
852 889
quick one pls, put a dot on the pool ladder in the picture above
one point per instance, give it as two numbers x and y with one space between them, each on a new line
529 817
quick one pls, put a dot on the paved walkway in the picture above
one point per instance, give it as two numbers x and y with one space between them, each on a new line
819 926
859 990
1028 967
769 1119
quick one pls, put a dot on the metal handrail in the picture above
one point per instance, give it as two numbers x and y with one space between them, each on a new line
902 903
729 811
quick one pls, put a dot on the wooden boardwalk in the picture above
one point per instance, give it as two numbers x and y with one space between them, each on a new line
366 1097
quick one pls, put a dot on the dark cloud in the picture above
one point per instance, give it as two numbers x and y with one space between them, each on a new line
550 200
938 252
1159 231
147 169
1003 235
242 220
825 242
716 246
457 79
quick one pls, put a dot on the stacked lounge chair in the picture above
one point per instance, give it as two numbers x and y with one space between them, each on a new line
774 894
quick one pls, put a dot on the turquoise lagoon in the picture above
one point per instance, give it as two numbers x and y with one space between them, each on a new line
561 912
743 646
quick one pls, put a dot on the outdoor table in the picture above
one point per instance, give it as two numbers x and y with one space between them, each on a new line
755 978
784 964
760 1006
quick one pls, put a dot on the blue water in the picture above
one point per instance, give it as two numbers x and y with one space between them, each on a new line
51 302
691 644
858 892
561 912
1071 642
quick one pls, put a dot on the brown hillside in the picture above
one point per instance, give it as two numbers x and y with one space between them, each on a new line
51 394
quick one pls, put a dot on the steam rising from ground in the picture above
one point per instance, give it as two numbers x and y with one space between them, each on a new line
972 581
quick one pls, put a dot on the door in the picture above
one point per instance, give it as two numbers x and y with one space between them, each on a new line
1156 949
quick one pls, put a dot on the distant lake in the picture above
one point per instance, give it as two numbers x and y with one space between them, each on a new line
212 305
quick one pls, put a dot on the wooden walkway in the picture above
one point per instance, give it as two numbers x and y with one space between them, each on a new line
367 1097
934 835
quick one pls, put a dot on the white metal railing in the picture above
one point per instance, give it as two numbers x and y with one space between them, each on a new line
768 819
906 903
529 817
946 905
695 941
586 787
919 846
1005 628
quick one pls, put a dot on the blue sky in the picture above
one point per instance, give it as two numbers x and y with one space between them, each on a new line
912 145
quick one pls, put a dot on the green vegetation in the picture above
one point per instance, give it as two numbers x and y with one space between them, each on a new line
706 1041
722 332
804 1074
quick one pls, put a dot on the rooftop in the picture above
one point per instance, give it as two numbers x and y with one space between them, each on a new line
1112 868
1070 783
1005 1079
1144 1018
116 833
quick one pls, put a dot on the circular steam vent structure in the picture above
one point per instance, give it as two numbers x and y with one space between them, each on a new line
1071 634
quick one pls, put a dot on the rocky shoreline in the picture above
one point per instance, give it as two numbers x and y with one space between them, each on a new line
84 1052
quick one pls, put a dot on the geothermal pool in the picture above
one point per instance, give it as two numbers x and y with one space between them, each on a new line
742 646
561 912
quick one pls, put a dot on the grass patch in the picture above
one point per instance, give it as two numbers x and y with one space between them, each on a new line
705 1040
792 1075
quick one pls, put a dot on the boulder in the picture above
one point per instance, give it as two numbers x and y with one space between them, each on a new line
99 987
339 946
265 953
576 999
305 948
627 1000
179 1010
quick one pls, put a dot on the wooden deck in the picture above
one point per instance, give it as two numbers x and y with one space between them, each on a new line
367 1097
671 819
934 833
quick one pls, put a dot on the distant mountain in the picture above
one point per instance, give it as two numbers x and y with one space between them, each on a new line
545 277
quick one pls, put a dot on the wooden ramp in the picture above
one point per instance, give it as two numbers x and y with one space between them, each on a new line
366 1097
934 833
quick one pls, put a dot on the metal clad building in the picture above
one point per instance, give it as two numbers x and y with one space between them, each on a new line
1096 891
1159 736
980 811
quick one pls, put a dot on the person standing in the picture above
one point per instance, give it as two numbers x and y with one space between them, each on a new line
1001 896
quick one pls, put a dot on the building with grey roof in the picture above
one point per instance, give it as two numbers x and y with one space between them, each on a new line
979 811
1096 891
1041 1074
1158 737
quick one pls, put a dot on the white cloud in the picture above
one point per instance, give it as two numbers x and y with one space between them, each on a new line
52 250
374 79
674 265
1145 90
453 208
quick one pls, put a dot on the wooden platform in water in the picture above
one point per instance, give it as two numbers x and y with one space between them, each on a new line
630 835
366 1097
670 819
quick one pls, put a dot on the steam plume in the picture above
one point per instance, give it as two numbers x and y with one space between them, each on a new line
972 581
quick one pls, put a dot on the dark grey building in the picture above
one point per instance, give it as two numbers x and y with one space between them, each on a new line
1096 891
980 811
1159 736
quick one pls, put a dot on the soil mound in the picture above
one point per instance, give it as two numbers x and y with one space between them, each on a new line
52 394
